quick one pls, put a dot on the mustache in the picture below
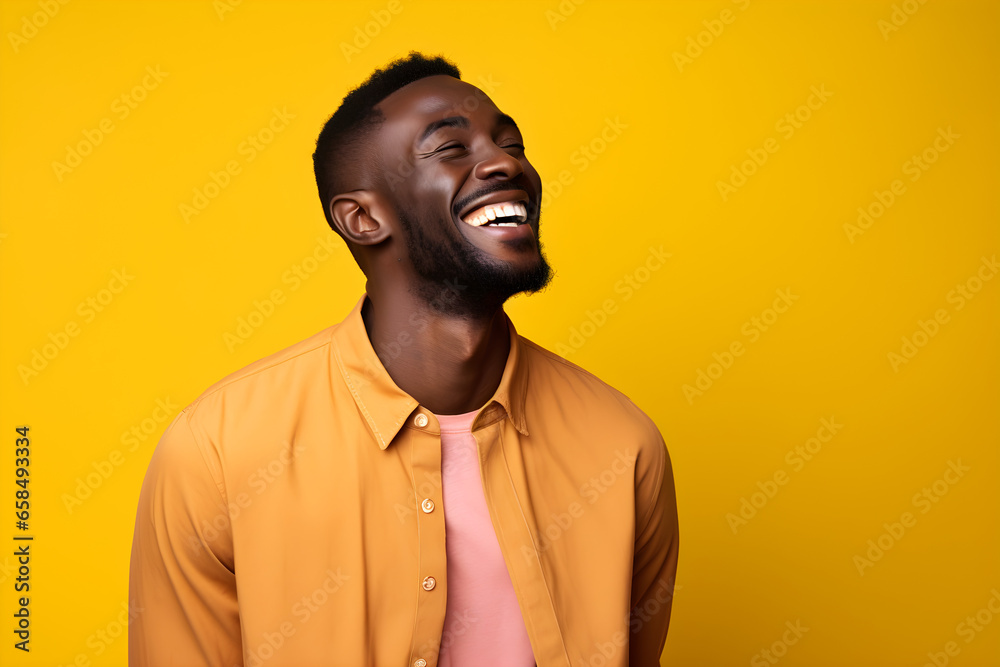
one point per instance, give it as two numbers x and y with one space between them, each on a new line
507 186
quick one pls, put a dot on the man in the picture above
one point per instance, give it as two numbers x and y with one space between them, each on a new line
465 498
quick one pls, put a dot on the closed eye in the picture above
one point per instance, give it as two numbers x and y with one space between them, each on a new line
451 146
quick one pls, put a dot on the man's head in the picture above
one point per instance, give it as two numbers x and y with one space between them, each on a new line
404 169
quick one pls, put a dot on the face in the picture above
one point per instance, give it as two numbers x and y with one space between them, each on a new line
452 158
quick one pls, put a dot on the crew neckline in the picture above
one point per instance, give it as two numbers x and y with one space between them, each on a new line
456 423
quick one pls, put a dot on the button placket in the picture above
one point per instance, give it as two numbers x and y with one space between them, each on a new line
430 535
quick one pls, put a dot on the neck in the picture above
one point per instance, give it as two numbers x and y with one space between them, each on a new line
449 363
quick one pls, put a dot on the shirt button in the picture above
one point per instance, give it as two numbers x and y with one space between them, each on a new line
420 420
419 662
427 506
429 583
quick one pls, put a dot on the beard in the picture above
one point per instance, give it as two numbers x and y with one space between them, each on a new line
461 280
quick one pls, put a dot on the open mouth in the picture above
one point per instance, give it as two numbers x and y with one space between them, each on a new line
502 214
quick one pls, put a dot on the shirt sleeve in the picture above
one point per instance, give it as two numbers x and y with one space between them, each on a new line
182 584
655 561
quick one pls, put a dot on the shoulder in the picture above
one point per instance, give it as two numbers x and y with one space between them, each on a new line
597 416
234 421
581 392
267 382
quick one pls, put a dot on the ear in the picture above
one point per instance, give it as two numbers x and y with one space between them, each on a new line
361 217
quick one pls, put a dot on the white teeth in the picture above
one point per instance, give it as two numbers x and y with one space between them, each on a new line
491 212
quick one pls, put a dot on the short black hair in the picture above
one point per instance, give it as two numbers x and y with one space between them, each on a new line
340 148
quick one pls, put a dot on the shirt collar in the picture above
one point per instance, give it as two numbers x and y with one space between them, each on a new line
384 405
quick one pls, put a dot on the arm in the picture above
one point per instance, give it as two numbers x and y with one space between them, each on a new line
655 561
182 584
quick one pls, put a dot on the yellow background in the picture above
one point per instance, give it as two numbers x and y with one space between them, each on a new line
563 71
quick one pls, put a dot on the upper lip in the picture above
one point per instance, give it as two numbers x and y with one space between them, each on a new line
497 198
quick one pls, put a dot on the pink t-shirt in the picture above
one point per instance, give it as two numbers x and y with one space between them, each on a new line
482 624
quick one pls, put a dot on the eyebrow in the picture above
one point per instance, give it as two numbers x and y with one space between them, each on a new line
461 122
451 121
504 119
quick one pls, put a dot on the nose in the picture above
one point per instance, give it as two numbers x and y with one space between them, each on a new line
498 162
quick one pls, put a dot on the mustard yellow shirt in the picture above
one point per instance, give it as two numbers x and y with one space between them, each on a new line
292 516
